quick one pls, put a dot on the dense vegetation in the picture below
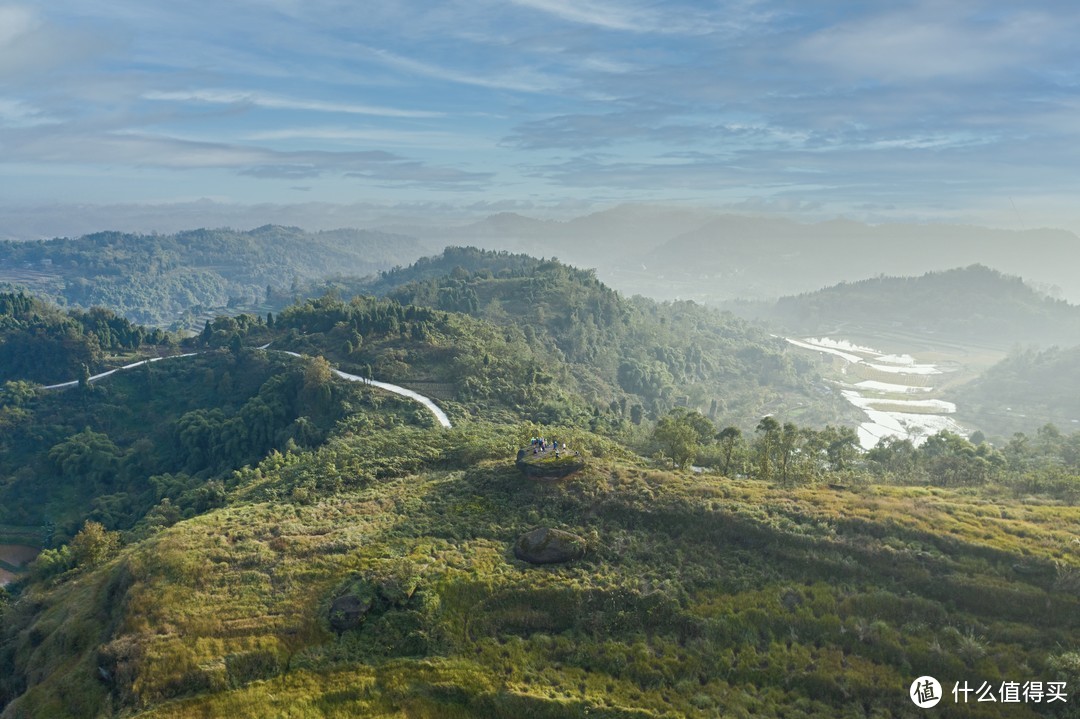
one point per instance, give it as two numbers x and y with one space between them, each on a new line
165 279
208 515
41 343
162 436
971 304
661 355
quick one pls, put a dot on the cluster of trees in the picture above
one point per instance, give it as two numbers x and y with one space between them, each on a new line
43 343
1047 462
777 452
167 431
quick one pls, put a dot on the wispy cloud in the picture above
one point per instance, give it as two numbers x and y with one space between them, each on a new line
143 150
657 18
275 102
518 80
888 103
605 15
394 137
16 113
933 40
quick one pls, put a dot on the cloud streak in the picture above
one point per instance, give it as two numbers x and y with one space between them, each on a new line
275 102
607 16
250 161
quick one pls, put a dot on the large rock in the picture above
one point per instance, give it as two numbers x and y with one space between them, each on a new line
547 466
549 546
348 612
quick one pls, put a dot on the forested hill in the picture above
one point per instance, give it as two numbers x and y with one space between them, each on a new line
43 343
159 279
663 354
1025 390
973 303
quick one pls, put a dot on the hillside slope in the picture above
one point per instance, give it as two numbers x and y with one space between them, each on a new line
1026 390
974 304
696 597
292 545
659 354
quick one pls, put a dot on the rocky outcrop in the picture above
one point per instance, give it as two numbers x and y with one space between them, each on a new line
546 465
371 595
347 612
549 546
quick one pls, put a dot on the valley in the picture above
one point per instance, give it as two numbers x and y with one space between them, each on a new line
897 393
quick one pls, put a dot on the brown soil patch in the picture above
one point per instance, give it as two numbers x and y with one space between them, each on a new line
18 554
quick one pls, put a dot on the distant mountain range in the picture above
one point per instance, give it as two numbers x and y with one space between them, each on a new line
672 253
655 251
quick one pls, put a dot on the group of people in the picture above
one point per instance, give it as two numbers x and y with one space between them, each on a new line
539 445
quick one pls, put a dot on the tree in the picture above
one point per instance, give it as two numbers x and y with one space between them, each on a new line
840 444
769 429
788 449
675 432
93 545
729 436
89 456
894 456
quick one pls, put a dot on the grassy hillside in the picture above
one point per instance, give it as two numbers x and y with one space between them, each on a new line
699 596
163 279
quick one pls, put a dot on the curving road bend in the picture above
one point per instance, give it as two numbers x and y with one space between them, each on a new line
440 415
426 401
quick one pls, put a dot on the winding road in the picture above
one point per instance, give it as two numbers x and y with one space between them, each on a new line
440 415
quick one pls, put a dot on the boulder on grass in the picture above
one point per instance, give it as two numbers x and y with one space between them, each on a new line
348 612
549 546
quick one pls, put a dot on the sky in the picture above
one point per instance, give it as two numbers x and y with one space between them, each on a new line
911 111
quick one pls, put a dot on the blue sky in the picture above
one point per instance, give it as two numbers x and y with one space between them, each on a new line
958 111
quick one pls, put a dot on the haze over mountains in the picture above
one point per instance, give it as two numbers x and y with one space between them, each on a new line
975 304
670 252
162 279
